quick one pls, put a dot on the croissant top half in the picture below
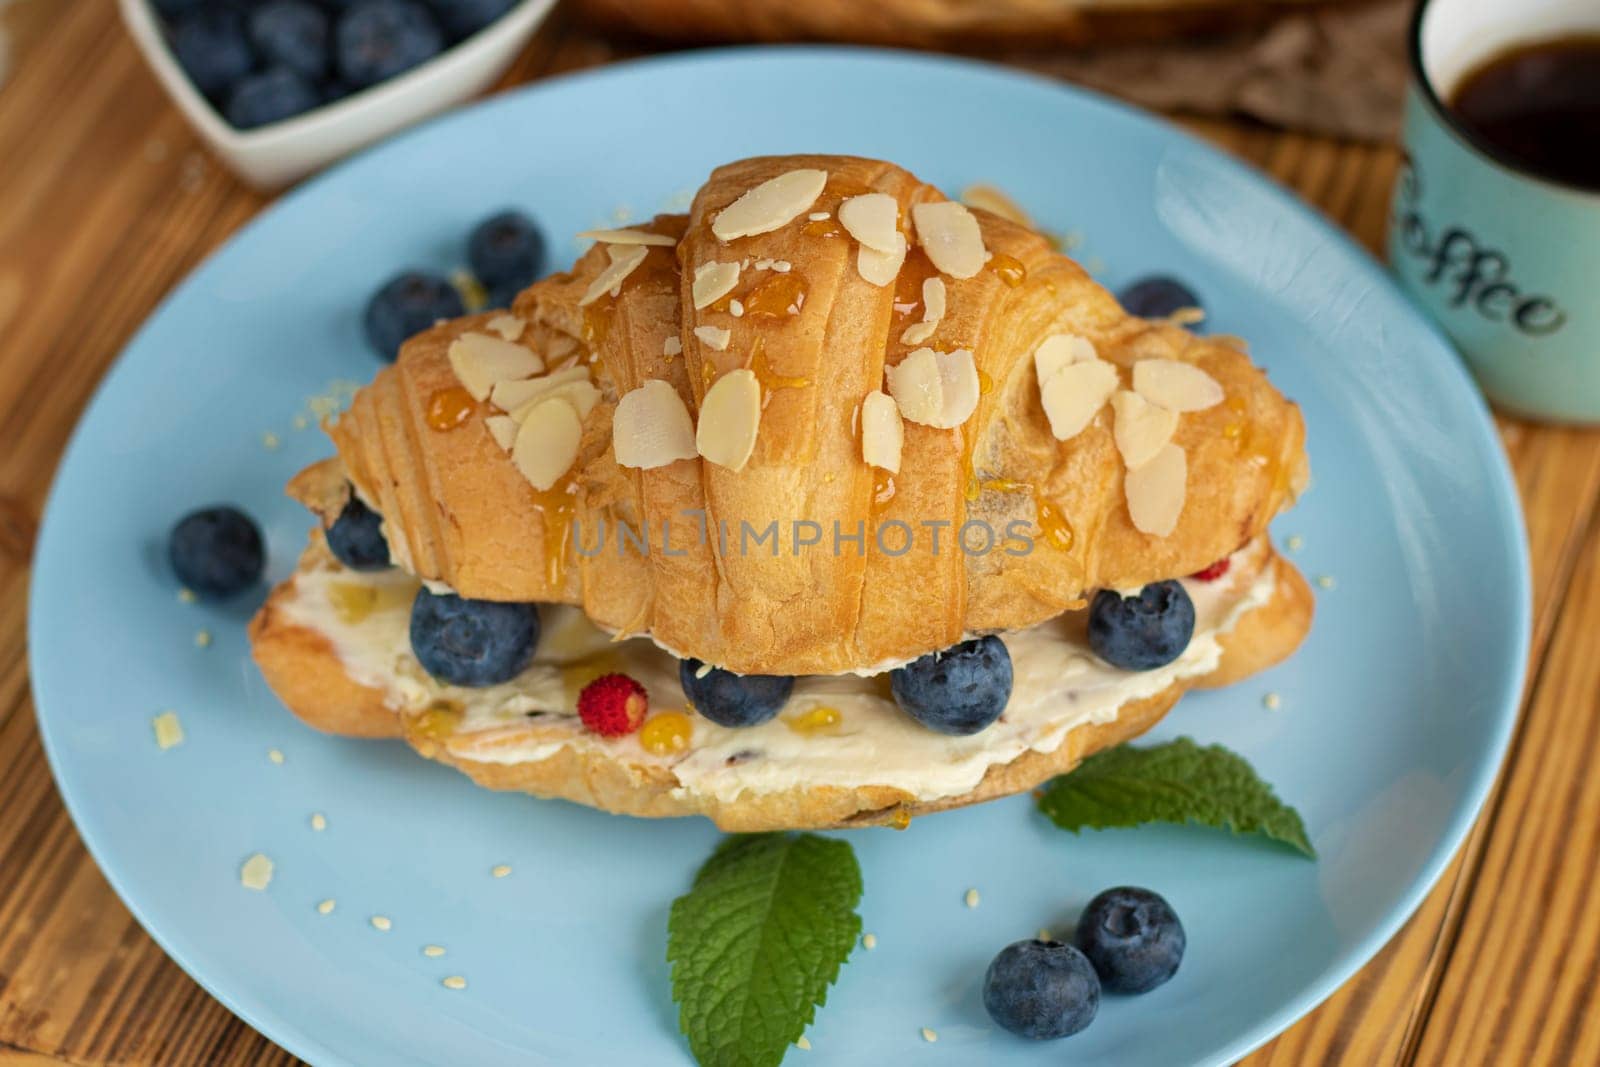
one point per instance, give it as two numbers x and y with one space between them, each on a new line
819 338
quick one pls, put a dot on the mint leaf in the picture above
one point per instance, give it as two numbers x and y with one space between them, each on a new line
758 940
1179 782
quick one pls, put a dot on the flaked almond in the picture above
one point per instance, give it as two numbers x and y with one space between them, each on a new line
774 203
624 260
1175 386
949 233
874 220
672 345
712 281
503 428
507 326
1060 350
481 362
933 297
509 396
938 389
880 268
1075 394
560 347
629 237
651 427
581 394
714 337
547 443
991 198
1142 428
1156 491
882 432
730 415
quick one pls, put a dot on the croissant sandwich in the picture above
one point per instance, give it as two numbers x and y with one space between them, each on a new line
832 502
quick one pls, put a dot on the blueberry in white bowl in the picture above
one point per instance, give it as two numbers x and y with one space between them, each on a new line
356 538
293 34
1149 629
1041 990
463 18
960 690
269 96
473 643
216 552
376 39
213 49
733 700
1133 938
407 304
1156 297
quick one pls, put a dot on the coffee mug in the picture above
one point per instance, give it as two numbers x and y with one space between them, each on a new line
1506 261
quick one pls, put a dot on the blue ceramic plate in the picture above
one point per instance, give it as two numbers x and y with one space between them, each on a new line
1393 719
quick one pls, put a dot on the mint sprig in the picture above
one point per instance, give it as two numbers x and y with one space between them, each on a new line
756 942
1177 782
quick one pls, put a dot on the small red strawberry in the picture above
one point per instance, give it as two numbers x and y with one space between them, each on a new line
613 705
1213 572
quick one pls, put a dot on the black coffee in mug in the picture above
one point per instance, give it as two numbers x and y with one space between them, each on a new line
1537 105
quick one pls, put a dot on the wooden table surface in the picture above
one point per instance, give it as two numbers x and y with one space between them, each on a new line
107 200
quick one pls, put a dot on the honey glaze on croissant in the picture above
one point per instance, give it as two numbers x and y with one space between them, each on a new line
827 422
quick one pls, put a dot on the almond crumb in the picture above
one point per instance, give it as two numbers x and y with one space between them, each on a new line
433 952
501 870
319 822
256 873
326 907
455 981
929 1035
275 756
971 898
202 638
381 922
169 731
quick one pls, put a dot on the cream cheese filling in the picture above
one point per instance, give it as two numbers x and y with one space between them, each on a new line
1058 684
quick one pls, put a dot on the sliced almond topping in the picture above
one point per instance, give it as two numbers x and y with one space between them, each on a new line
730 415
671 346
629 237
547 443
1057 351
991 198
774 203
1075 394
949 233
560 347
1156 491
918 333
624 260
938 389
713 337
874 220
712 281
1142 428
781 266
882 432
481 362
509 396
503 428
508 326
880 268
1175 386
651 427
933 294
581 394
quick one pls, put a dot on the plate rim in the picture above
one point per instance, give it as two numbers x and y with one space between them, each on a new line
279 1028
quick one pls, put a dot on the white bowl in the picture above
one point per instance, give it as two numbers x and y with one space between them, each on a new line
275 155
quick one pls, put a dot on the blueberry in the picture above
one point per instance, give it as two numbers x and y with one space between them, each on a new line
216 551
334 90
1149 629
408 304
1133 938
733 700
1041 990
958 691
506 250
472 642
292 34
173 8
269 96
377 39
463 18
501 296
211 47
356 538
1156 297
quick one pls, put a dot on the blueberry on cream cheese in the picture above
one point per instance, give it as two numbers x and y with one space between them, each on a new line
216 552
356 538
960 690
472 643
1149 629
733 700
1133 938
1041 990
